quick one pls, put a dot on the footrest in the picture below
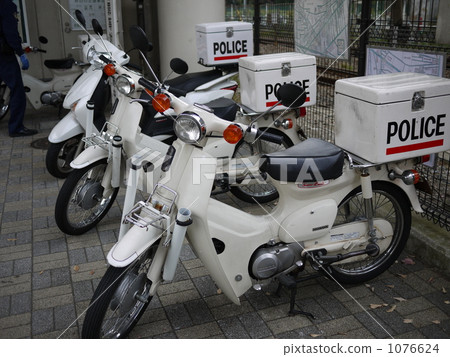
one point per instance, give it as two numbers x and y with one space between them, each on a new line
287 281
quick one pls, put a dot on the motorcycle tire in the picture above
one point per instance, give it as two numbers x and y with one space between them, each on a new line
389 203
80 204
114 309
60 155
259 192
4 99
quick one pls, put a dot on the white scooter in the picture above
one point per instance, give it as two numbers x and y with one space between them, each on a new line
92 88
89 191
348 218
42 92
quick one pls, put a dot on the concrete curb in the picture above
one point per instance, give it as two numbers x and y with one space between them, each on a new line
430 242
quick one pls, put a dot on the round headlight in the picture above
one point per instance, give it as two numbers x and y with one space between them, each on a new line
190 128
125 84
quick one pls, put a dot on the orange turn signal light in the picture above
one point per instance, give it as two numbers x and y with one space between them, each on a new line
233 134
161 103
109 69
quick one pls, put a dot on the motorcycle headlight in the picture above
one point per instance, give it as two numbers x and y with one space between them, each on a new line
190 128
125 84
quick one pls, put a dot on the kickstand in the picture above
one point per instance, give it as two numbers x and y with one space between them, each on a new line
291 284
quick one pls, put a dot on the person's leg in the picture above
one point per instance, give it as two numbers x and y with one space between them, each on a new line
13 78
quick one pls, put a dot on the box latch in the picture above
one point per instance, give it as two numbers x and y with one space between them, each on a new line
285 69
418 101
230 32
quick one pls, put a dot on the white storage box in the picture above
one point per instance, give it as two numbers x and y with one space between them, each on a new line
261 76
388 117
223 42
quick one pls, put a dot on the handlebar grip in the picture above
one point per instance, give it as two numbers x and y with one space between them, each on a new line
177 92
106 60
147 84
273 138
43 51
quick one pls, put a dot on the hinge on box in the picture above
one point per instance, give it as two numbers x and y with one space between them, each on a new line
230 32
418 101
285 69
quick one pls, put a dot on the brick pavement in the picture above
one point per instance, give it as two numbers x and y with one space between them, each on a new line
48 278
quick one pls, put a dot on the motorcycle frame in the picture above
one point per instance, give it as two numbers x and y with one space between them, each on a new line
243 233
61 81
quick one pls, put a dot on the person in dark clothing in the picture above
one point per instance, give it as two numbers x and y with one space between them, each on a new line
10 46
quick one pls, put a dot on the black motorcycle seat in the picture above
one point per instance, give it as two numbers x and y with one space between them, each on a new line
189 81
224 108
65 63
323 160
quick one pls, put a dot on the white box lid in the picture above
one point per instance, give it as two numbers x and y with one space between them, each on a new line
220 27
274 61
392 87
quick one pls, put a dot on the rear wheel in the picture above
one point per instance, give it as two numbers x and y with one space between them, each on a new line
81 203
60 155
260 192
4 99
119 300
389 204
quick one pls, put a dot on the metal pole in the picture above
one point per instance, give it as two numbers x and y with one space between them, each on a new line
364 39
256 28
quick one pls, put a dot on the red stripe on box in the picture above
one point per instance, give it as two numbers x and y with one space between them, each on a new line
225 58
271 104
414 147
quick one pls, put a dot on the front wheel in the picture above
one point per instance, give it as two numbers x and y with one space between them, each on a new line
391 205
258 192
4 99
81 202
119 300
60 155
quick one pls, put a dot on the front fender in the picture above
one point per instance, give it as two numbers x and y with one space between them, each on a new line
89 156
66 128
133 243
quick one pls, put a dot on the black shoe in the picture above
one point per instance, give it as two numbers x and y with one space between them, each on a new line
24 132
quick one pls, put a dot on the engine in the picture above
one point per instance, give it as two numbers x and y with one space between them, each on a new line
52 98
271 260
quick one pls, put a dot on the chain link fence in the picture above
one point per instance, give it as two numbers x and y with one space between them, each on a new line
402 24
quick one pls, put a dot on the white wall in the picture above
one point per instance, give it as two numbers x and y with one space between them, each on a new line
177 20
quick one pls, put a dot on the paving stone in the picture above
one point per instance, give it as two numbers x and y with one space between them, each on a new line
233 328
6 268
178 316
21 303
254 325
198 311
22 266
82 290
4 306
94 254
42 321
42 279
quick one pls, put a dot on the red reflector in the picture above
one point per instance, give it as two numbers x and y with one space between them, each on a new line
233 88
302 111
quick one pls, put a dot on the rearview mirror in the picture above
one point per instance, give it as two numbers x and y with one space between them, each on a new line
291 95
139 39
97 27
80 17
178 66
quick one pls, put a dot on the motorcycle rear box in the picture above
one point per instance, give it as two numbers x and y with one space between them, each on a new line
390 117
261 76
223 42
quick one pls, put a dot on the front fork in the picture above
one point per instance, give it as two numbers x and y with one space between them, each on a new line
367 193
